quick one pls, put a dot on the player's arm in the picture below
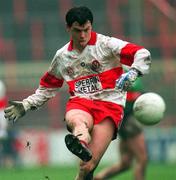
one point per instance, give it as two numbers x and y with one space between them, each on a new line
136 57
49 84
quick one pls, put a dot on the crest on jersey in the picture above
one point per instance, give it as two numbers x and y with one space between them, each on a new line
95 66
69 70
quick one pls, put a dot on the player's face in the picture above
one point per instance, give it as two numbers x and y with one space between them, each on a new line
80 34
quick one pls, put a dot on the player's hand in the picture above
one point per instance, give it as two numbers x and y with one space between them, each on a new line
126 80
14 111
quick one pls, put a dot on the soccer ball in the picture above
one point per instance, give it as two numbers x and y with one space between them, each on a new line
149 108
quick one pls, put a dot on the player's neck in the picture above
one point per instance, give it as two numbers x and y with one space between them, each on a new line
78 47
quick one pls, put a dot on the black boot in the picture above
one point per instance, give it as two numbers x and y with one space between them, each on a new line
76 147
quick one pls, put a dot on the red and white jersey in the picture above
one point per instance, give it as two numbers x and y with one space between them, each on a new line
92 73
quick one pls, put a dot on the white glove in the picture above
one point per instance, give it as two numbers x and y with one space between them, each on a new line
126 80
15 111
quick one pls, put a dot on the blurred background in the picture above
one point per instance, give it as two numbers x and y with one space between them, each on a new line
30 33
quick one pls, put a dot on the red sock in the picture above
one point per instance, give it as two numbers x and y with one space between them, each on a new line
83 142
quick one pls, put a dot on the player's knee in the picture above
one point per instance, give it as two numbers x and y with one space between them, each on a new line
79 118
72 123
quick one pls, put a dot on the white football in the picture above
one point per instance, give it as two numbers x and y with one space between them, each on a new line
149 108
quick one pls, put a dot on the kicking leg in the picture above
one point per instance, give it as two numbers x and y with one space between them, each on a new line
101 137
80 123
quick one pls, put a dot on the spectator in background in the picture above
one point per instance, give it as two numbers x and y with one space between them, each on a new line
3 121
132 145
91 64
8 151
3 102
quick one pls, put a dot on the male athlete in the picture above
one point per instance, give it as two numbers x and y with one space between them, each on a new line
91 65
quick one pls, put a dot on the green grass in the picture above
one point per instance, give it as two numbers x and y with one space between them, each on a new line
154 172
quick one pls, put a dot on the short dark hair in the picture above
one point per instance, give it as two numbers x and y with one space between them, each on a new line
80 14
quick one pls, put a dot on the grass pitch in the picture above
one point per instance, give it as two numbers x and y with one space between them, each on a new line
154 172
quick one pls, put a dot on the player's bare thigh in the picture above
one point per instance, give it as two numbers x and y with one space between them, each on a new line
76 117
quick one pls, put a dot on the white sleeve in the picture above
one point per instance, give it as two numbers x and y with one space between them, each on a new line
41 95
142 61
130 54
114 45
